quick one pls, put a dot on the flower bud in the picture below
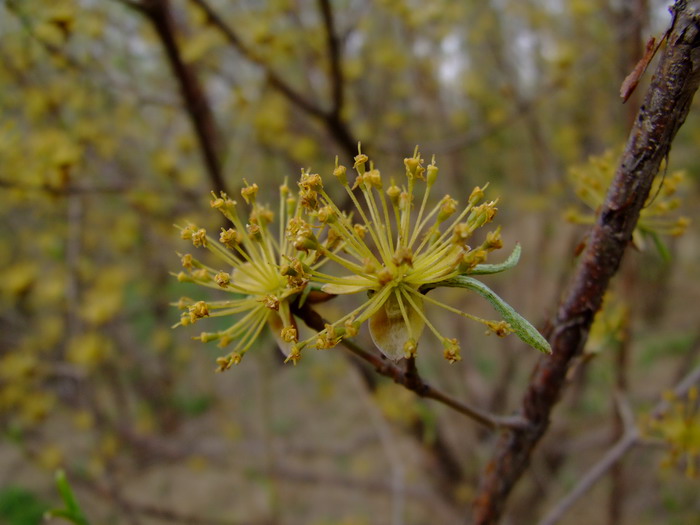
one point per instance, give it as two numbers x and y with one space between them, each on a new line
393 192
187 261
223 279
199 238
410 348
326 215
360 161
340 173
448 207
432 173
199 309
373 178
451 350
289 334
249 192
230 238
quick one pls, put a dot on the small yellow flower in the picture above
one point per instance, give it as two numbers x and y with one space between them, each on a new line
679 428
591 180
267 274
394 258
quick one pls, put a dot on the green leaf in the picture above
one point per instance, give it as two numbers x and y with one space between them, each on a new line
72 511
521 326
19 506
510 262
660 246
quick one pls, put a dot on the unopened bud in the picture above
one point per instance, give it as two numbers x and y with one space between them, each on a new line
222 279
432 173
340 173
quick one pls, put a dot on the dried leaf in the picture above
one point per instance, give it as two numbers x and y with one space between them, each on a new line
632 80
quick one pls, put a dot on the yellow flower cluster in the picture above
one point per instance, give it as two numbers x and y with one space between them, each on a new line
267 274
387 252
591 180
393 258
679 428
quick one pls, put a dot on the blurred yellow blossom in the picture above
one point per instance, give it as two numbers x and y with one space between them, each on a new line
658 217
267 273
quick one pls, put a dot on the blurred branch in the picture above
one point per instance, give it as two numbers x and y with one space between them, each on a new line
449 468
666 106
411 379
689 357
622 419
630 438
70 189
331 119
153 511
397 468
372 487
158 13
593 475
275 80
336 73
50 48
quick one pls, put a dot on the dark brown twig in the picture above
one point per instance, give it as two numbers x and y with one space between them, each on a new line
154 512
275 80
411 380
331 118
158 13
336 72
665 108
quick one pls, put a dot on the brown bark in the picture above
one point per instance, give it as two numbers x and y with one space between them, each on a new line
331 118
664 110
158 12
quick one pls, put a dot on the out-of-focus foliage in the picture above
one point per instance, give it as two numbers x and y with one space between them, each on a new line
98 160
20 507
679 428
659 217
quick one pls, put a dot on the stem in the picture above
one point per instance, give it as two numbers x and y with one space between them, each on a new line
199 110
412 381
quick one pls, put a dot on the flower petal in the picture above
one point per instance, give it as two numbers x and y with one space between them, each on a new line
389 330
275 323
341 289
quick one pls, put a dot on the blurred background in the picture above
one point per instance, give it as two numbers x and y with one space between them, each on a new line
117 119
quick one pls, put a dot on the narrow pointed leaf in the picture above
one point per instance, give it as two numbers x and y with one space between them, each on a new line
72 511
521 326
510 262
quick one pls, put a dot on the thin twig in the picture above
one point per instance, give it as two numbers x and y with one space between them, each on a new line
332 119
275 79
630 438
201 116
592 476
154 511
336 71
412 381
622 417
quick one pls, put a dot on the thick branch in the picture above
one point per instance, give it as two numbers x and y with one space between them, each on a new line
664 110
196 103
